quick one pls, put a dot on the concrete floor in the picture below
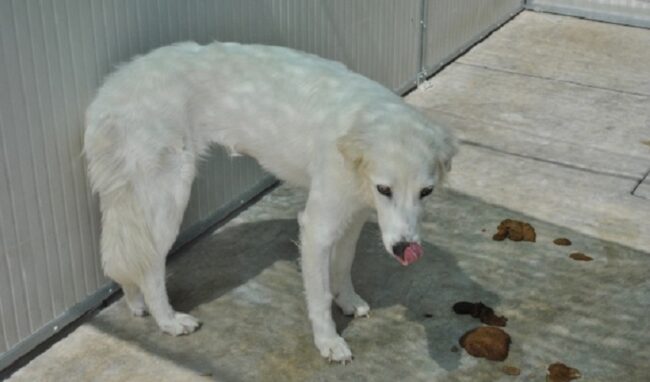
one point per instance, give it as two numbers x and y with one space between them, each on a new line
554 113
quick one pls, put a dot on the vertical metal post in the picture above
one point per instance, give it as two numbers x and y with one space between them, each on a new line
422 74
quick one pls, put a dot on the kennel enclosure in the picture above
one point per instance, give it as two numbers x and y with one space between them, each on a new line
54 55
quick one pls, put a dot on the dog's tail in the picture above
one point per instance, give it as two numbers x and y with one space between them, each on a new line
127 244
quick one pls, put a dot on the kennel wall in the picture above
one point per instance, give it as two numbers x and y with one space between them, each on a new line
53 56
455 25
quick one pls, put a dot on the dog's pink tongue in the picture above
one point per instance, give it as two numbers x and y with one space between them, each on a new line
412 253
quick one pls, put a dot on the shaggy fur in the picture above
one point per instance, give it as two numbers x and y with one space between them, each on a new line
310 121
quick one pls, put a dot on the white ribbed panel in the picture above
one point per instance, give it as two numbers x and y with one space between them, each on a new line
453 25
48 219
631 12
378 38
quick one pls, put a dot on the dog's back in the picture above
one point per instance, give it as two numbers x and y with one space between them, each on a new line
275 104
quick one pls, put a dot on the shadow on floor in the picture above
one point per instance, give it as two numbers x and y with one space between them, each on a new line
219 263
244 283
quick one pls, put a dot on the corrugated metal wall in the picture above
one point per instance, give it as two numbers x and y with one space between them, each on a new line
454 25
379 38
53 55
630 12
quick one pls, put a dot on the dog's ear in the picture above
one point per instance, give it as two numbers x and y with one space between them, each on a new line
351 146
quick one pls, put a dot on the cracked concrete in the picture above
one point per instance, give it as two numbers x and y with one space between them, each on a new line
534 103
642 190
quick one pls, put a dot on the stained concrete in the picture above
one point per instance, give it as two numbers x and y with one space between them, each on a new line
593 204
243 280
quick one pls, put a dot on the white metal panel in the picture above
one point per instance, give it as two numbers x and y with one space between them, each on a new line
455 25
630 12
378 38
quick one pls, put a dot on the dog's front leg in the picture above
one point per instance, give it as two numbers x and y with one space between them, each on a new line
319 232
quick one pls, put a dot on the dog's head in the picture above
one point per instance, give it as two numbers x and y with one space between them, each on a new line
399 163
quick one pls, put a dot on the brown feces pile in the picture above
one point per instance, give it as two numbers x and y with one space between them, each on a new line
515 230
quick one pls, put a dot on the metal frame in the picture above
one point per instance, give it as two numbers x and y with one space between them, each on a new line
422 75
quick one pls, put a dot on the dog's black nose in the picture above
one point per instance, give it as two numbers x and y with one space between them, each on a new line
398 249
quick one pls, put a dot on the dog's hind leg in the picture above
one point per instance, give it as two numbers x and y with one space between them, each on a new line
164 195
140 221
341 265
155 294
134 299
127 246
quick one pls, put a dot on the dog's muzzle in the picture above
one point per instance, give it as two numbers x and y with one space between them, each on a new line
407 253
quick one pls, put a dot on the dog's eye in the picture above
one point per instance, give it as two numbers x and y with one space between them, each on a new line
384 190
426 192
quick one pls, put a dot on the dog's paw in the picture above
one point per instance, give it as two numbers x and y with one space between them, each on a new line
137 308
138 311
334 349
352 305
181 324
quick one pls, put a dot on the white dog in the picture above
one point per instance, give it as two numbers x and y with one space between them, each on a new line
354 144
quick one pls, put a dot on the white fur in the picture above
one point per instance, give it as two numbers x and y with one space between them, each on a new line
310 121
